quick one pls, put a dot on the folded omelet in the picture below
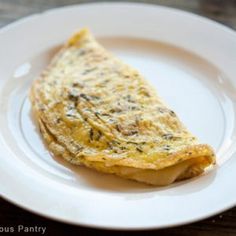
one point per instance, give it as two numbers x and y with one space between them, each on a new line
96 111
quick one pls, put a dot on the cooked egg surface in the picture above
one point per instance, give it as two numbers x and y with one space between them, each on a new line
94 110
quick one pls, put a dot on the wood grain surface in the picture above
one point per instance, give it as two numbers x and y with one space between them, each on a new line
10 215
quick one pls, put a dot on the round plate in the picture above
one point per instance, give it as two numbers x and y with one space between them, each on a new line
190 60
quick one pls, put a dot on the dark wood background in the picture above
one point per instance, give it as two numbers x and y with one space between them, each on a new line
223 11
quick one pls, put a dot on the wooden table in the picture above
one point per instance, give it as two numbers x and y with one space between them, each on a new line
10 215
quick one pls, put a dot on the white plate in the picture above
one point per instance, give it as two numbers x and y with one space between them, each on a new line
192 63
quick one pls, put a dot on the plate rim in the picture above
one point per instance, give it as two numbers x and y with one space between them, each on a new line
26 18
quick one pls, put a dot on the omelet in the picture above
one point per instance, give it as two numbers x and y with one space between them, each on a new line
94 110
